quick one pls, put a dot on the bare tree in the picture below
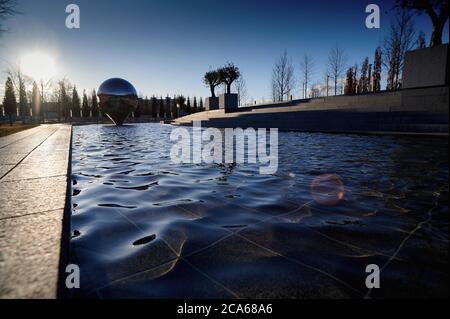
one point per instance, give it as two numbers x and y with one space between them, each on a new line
306 68
437 10
241 89
355 79
6 10
283 79
401 38
336 65
316 90
376 76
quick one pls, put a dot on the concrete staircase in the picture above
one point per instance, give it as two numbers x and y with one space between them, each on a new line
387 112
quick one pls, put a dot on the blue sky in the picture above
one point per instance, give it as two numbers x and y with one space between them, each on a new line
164 47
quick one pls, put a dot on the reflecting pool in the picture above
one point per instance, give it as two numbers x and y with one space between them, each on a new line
145 227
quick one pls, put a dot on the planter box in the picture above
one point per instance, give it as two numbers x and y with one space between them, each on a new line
211 103
228 102
426 67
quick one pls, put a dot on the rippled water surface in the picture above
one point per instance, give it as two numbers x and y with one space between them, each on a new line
145 227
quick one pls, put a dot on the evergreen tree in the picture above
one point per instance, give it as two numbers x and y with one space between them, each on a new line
75 103
363 80
161 107
174 107
201 104
85 106
9 100
64 101
154 106
195 107
94 104
376 77
36 103
188 105
24 109
167 109
349 82
180 100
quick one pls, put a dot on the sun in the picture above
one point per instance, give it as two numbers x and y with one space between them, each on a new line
38 65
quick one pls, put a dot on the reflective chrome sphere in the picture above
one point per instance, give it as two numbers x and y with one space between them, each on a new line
118 98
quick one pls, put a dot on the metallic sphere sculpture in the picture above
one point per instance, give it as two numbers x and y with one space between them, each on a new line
118 98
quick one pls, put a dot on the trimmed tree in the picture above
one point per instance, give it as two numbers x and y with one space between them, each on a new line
228 74
212 79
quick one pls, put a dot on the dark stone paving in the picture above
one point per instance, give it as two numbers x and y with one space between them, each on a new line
33 181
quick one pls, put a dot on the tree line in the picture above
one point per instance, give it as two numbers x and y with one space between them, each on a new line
169 107
39 101
63 101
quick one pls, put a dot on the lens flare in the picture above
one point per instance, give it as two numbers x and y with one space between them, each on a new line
327 189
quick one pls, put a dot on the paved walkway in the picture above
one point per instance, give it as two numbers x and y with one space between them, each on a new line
33 182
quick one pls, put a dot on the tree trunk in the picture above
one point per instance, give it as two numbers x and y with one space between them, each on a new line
436 36
228 88
212 91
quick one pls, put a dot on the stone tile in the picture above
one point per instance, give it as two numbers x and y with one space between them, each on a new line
29 255
251 271
27 143
40 155
167 281
32 199
10 159
4 169
31 196
31 170
6 140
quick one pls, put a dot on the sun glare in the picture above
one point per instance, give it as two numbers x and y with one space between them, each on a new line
38 65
